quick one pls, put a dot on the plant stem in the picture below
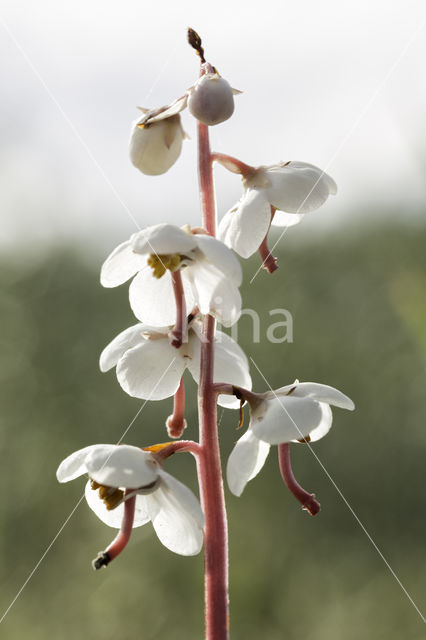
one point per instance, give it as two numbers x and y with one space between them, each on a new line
209 463
205 175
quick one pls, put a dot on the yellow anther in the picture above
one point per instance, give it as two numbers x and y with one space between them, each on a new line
111 496
305 440
160 263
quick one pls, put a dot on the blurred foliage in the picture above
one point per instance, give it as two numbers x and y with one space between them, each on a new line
359 310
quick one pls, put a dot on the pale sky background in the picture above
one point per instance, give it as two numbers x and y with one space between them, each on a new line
72 74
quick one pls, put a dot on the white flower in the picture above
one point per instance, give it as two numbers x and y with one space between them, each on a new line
211 274
297 412
172 508
149 367
211 99
156 138
292 187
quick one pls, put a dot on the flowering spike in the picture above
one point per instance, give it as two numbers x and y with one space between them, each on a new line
192 271
195 41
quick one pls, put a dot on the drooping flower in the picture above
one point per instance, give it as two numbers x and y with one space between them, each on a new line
211 99
279 195
211 274
149 367
156 138
121 473
299 412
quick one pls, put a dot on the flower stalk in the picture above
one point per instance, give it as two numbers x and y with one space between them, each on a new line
209 462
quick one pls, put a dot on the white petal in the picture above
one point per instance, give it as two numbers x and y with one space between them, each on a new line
226 304
121 265
245 225
125 340
213 292
218 254
153 149
176 516
163 239
246 460
230 365
74 465
298 187
325 425
331 184
121 466
282 219
152 299
323 393
176 107
114 517
287 418
152 370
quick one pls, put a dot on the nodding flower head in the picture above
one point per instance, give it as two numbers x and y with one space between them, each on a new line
299 412
278 195
211 99
127 488
156 138
210 272
149 367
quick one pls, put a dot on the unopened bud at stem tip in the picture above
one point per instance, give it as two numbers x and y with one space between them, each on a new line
195 41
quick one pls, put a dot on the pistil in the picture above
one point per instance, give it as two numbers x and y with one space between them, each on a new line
176 423
308 500
179 334
120 541
268 261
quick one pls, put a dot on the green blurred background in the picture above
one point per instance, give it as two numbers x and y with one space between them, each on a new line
359 310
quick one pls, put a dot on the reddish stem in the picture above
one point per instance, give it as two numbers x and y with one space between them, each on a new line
268 261
176 423
180 332
233 164
123 537
175 447
209 463
239 392
308 501
205 175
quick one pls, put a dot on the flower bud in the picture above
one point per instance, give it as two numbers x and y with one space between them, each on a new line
211 99
155 146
